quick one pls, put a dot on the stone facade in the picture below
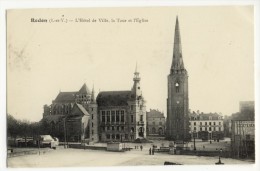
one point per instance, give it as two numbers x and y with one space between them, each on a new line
122 114
243 139
155 123
243 131
177 126
206 126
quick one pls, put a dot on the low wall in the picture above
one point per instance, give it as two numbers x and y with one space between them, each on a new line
79 146
114 146
205 153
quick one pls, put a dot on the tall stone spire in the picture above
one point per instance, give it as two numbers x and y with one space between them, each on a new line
93 95
178 95
177 61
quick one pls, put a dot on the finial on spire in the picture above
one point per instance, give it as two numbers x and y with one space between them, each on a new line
93 94
136 67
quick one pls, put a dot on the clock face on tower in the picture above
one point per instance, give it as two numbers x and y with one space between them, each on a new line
177 102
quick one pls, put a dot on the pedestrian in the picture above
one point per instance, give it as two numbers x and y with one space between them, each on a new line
150 151
141 147
153 151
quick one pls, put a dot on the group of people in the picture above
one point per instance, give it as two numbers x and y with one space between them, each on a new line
151 150
141 147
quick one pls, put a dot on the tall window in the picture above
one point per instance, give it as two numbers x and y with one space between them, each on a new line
92 124
206 123
200 123
194 123
219 123
209 123
108 116
122 116
132 118
113 116
209 128
103 116
214 123
117 117
141 117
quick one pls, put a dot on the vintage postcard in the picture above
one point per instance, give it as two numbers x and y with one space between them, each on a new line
139 86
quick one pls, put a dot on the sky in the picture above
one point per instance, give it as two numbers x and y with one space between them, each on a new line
45 58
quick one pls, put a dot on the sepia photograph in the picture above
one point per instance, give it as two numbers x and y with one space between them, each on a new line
139 86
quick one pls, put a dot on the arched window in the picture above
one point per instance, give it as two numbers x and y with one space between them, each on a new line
153 130
177 87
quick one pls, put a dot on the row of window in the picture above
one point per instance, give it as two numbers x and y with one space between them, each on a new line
113 116
118 136
113 128
206 123
160 123
210 129
201 118
117 128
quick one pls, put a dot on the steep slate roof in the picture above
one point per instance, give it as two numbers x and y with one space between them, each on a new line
84 89
78 110
69 97
155 114
66 97
82 109
113 98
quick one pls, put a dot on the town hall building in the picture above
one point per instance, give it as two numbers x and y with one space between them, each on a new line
122 114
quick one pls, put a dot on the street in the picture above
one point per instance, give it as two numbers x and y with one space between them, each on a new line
80 158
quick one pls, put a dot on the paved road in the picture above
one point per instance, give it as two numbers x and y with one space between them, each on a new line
79 157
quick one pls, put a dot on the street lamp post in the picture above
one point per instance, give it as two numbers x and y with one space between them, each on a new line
65 136
219 159
194 140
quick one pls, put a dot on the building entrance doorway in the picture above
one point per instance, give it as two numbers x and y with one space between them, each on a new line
141 132
160 131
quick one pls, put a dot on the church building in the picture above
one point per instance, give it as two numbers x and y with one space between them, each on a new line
177 126
72 116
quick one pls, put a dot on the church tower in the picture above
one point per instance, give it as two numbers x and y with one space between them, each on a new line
177 127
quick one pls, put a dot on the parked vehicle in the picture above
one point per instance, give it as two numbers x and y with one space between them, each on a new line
48 141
